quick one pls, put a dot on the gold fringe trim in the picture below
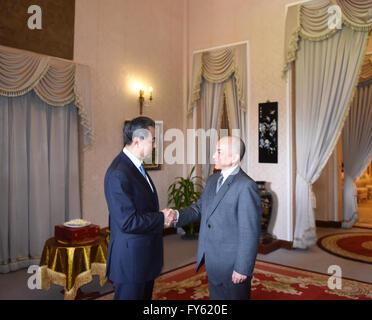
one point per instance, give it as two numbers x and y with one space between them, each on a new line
100 270
356 26
238 83
196 90
307 36
58 278
293 43
84 119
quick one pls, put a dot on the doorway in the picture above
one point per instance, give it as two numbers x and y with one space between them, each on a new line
364 196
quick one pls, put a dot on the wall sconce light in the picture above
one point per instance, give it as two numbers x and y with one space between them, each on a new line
142 98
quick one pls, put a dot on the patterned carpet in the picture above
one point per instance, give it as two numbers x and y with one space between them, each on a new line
270 282
352 245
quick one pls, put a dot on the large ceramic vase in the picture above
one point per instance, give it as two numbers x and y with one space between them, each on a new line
267 208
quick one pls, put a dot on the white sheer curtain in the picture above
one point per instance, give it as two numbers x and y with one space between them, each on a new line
326 74
357 149
39 176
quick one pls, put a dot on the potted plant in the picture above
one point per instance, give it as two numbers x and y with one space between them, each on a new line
182 193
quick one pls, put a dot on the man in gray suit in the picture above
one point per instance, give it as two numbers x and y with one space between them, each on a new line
230 213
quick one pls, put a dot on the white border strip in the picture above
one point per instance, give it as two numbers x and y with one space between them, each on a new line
289 156
220 47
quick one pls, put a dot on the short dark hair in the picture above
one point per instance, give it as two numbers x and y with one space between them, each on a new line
136 124
242 149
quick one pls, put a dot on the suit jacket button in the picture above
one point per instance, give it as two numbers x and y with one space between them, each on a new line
209 226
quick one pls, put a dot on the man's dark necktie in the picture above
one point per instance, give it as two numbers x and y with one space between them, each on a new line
219 182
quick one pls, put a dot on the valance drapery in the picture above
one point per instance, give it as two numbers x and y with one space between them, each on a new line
312 21
55 81
217 66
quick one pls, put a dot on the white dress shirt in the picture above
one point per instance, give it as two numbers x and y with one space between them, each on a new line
227 172
137 162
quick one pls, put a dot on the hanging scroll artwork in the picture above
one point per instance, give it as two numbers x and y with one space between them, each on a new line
268 132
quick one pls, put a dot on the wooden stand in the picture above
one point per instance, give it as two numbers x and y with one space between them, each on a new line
266 248
169 231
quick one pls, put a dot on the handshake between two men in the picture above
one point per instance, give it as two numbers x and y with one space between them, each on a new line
170 216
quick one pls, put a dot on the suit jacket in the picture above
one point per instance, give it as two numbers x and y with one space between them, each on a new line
135 251
230 224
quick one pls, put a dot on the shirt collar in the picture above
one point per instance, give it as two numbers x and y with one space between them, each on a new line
137 162
226 172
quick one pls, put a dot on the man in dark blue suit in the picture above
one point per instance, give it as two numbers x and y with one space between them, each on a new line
135 251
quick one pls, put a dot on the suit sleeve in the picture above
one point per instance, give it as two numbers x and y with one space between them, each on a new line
124 212
249 222
190 214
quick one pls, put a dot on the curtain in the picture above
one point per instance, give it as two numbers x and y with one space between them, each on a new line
326 75
211 106
39 176
236 116
327 39
214 73
43 101
217 66
55 81
313 19
357 149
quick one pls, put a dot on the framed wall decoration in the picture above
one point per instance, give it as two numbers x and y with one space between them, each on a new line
268 132
154 163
